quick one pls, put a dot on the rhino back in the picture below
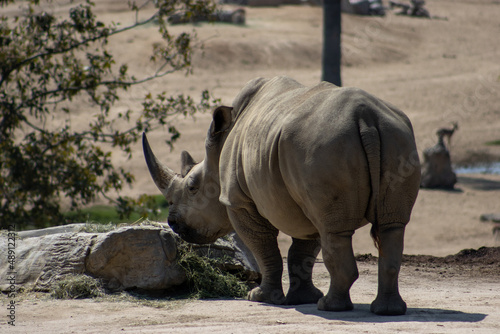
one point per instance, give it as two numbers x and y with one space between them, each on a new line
296 154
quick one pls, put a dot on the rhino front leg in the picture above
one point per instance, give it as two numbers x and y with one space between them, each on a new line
389 301
301 258
261 238
341 264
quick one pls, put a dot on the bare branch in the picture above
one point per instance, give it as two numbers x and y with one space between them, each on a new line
77 45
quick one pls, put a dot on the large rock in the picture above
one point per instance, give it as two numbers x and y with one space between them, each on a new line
436 168
135 257
129 257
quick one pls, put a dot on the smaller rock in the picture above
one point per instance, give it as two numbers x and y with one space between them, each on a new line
363 7
436 168
490 217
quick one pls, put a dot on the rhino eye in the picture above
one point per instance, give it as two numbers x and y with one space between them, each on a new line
192 186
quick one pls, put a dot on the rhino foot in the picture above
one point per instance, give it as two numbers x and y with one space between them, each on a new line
388 305
308 295
275 296
328 303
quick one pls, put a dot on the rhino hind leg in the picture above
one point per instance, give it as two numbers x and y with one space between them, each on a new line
339 259
301 258
262 240
388 300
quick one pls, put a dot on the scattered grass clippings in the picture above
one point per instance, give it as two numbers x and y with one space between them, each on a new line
98 228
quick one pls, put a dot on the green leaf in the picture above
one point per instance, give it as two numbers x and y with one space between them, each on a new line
52 66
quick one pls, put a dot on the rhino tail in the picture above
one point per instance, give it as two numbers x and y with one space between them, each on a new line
370 139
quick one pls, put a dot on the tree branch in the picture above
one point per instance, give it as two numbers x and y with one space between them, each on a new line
76 45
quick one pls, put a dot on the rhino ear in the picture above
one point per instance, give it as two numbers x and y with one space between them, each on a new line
222 120
187 162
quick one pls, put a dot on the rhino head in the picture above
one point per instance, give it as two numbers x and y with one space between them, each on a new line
195 212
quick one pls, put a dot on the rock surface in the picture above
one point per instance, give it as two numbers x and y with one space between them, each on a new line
40 261
141 257
135 257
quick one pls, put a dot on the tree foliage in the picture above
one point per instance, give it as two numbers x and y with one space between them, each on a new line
49 64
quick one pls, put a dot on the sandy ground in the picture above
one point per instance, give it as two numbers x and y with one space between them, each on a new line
438 71
441 299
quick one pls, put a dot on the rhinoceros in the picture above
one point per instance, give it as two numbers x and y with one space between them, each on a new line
315 163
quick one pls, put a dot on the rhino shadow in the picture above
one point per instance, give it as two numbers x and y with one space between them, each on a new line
361 313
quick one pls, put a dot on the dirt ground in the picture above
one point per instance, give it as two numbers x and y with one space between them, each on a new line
456 294
438 71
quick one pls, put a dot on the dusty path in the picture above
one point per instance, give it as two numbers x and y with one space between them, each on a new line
445 299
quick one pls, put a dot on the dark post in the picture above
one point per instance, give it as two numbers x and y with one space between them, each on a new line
331 42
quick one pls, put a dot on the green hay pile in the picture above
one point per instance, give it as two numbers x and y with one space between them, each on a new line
77 287
206 277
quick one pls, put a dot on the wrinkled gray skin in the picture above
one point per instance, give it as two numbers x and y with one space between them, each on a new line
316 163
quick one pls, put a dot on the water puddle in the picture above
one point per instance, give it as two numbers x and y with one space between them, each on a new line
490 168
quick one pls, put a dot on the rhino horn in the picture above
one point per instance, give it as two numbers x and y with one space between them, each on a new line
161 174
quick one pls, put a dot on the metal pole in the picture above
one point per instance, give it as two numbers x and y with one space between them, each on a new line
331 41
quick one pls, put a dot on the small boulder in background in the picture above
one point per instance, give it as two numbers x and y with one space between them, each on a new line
437 171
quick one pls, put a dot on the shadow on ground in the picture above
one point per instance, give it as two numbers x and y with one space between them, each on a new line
361 313
479 183
475 183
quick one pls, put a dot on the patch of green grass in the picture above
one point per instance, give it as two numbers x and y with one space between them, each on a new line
77 287
101 214
106 214
206 279
493 143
